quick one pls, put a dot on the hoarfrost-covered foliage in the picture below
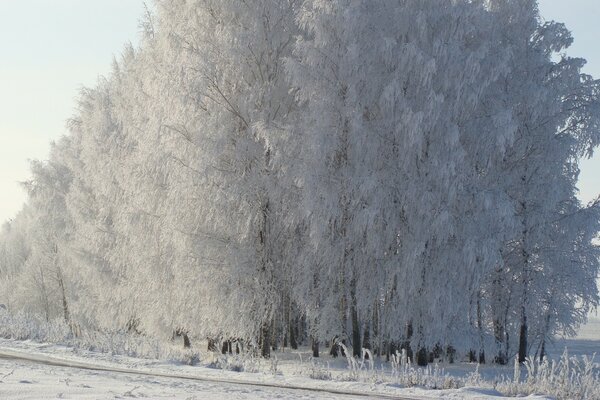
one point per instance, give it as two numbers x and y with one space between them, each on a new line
383 175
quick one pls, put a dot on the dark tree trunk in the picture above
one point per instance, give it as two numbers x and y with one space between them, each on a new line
422 356
501 356
226 347
334 349
499 339
523 338
506 346
480 329
406 344
315 347
266 340
179 332
65 305
186 341
450 353
356 347
293 337
389 350
377 342
472 357
525 255
367 338
212 344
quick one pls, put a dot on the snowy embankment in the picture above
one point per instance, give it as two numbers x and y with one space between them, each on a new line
26 371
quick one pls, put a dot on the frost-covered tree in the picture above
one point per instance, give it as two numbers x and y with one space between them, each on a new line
555 112
387 170
223 133
384 174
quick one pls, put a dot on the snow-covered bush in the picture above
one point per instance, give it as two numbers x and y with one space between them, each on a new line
190 357
319 371
567 378
245 362
22 326
404 373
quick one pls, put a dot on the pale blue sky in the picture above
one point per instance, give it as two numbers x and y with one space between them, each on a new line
48 50
582 17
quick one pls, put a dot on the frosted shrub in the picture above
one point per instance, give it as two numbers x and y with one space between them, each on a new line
274 365
319 371
23 326
474 378
190 357
367 358
353 366
245 362
399 363
123 343
569 378
433 377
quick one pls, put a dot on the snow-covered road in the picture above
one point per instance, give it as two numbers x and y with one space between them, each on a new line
20 379
30 370
25 376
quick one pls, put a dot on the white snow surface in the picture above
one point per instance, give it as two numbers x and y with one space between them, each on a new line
119 377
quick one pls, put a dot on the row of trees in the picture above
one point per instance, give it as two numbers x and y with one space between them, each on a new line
381 173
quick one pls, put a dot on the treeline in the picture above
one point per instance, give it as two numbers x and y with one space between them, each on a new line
384 174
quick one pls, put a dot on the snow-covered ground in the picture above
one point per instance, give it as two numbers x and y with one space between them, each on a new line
28 380
102 376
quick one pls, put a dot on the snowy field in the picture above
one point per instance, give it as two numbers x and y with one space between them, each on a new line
93 375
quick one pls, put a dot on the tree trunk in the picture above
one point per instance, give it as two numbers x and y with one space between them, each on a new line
523 337
226 347
367 338
186 341
179 332
480 329
406 344
525 282
356 346
334 349
315 347
266 340
481 357
292 334
377 342
450 352
422 356
65 306
390 350
501 357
